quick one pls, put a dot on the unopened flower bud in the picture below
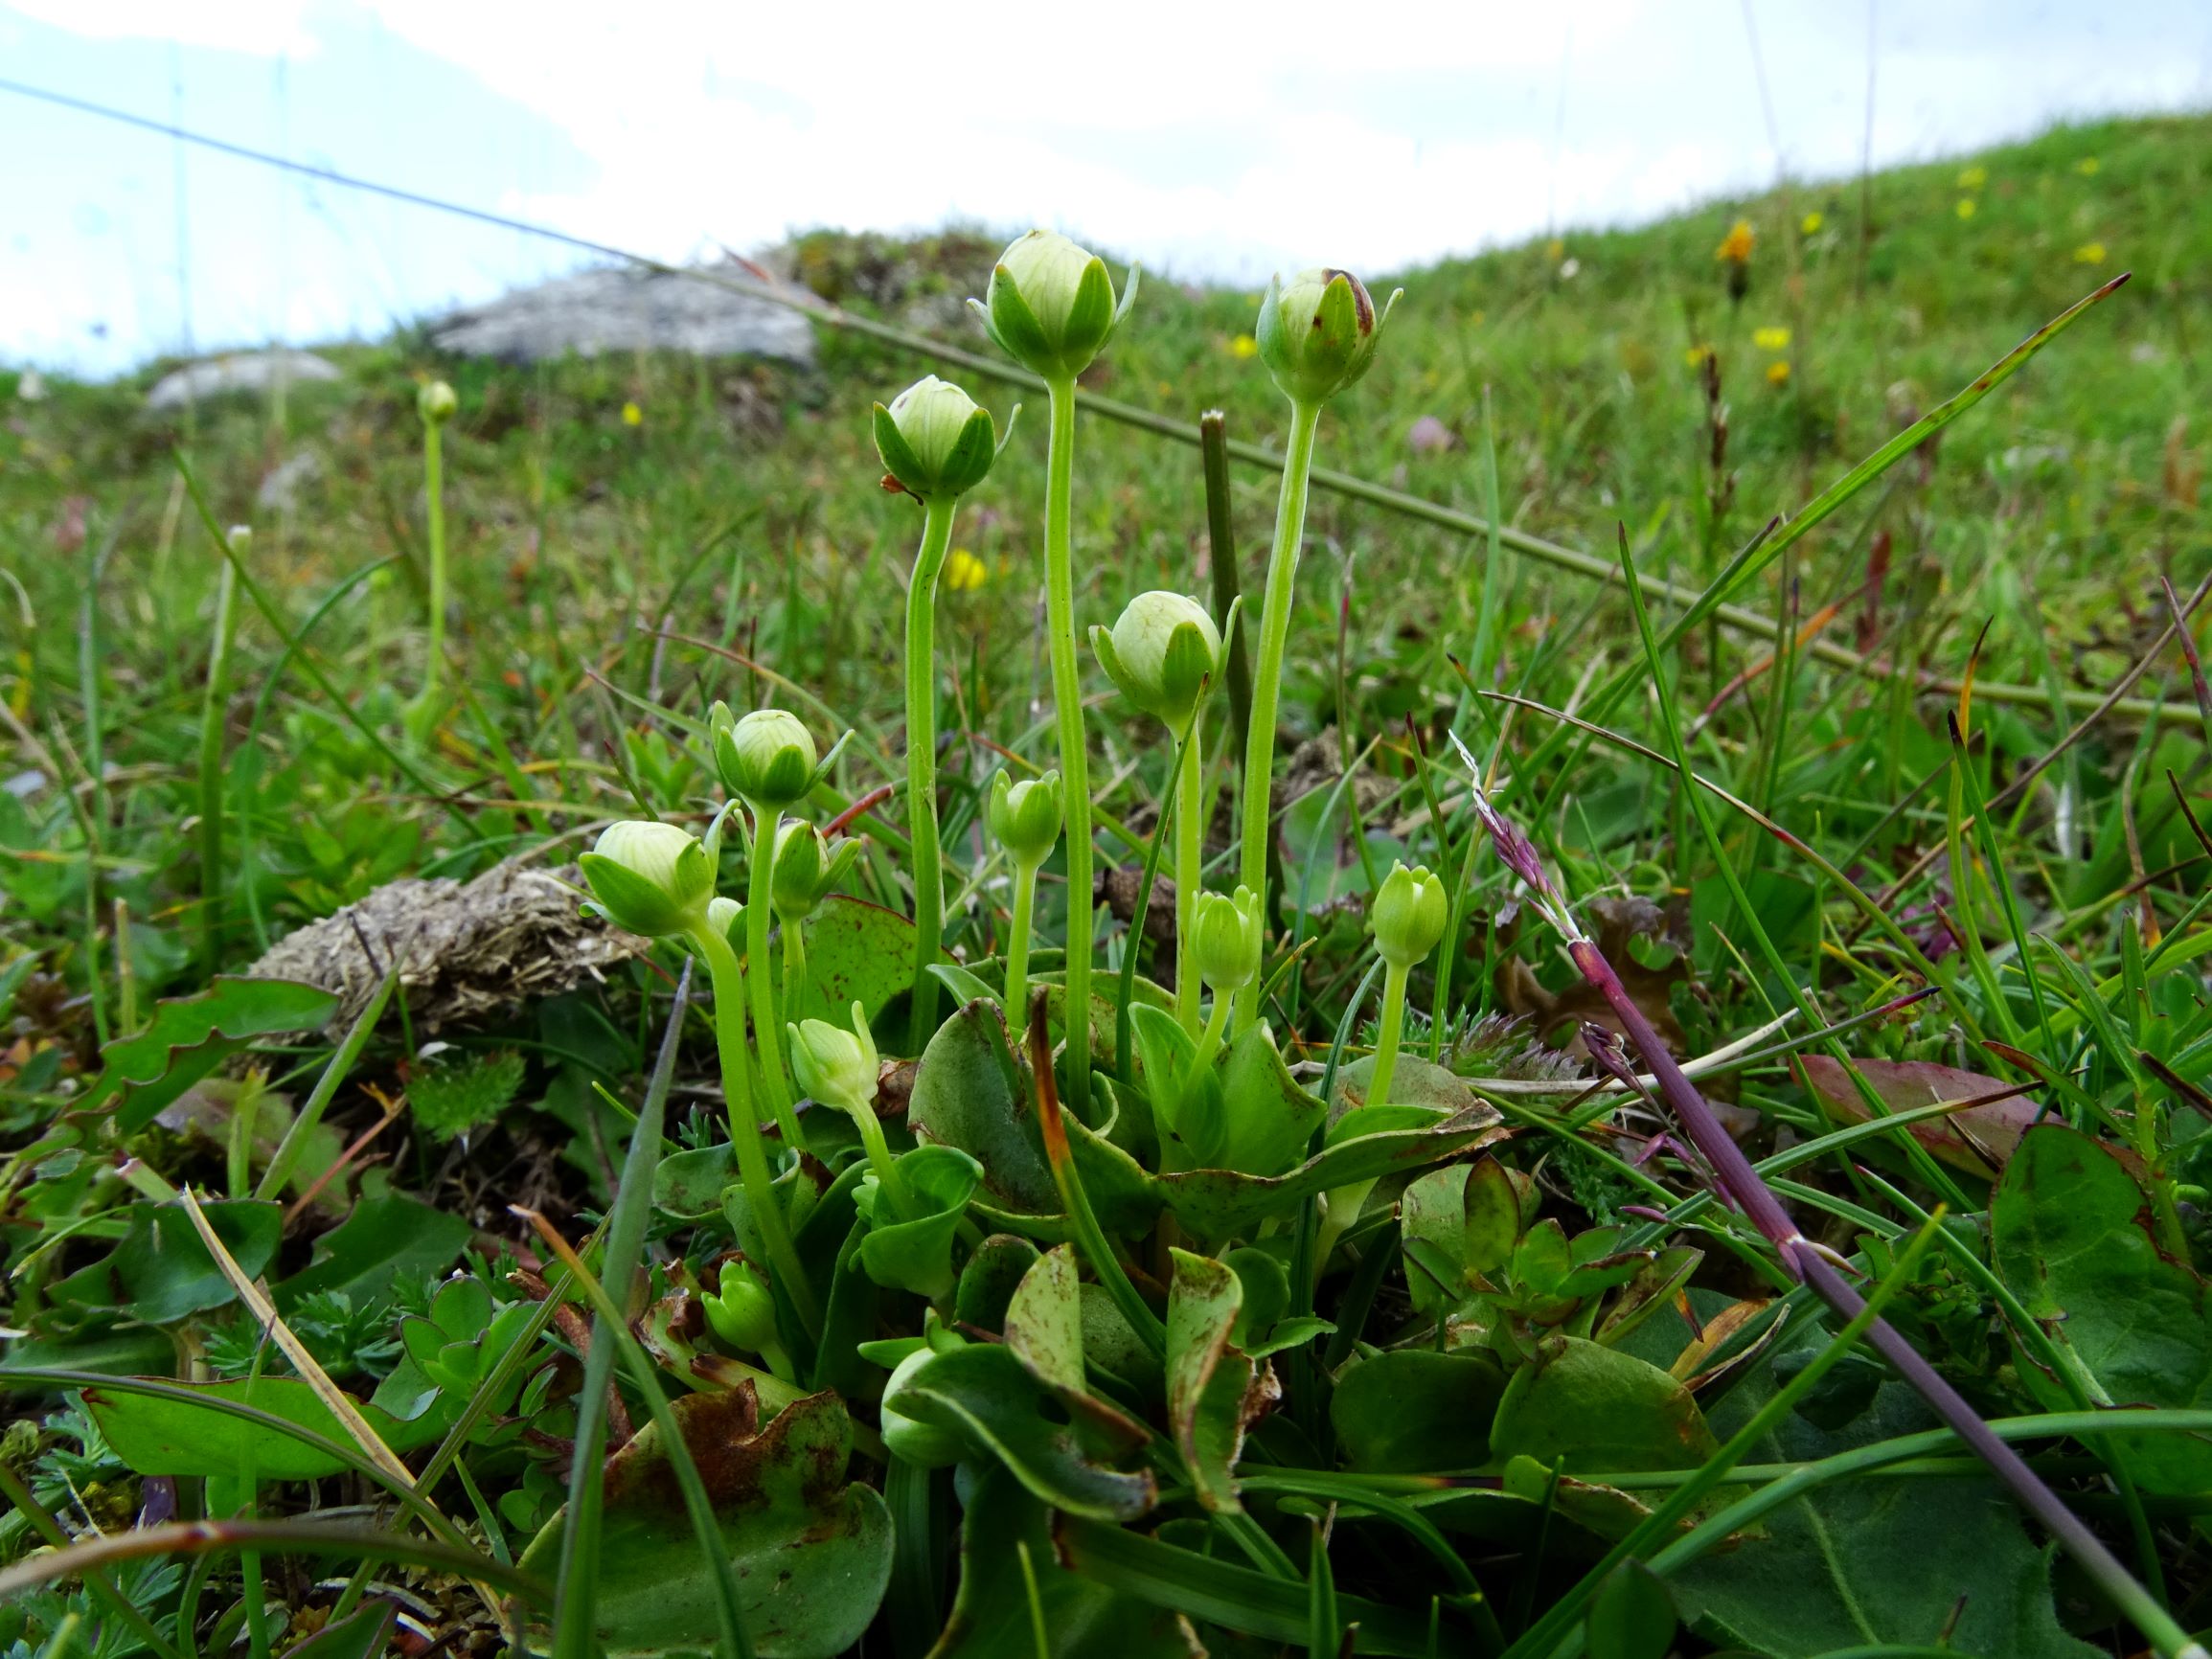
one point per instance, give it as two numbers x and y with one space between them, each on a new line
436 404
923 1445
649 879
1318 331
934 439
1226 938
768 758
743 1313
807 869
1162 652
724 916
1026 817
837 1066
1408 915
1050 306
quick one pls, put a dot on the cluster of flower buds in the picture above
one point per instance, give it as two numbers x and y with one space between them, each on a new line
807 869
1163 652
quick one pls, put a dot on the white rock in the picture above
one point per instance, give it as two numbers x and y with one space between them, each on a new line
237 371
627 311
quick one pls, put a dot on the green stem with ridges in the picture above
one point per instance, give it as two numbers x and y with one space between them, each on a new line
1017 944
745 1140
1067 702
922 760
768 1018
1188 876
1267 679
1392 1031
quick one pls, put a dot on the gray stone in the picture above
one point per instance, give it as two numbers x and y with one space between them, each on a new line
236 372
627 311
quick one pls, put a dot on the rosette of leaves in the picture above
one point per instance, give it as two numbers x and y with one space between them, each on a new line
453 1349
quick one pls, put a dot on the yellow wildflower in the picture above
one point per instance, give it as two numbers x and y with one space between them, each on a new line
1812 223
1735 247
964 572
1244 346
1770 338
1973 177
1555 250
632 415
1694 357
1778 372
1966 206
2087 166
2090 254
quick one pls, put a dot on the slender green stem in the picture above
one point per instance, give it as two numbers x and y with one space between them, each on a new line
1208 1042
795 955
1268 680
768 1018
879 1159
1188 877
434 488
1067 701
214 710
1017 945
922 760
1393 1029
744 1125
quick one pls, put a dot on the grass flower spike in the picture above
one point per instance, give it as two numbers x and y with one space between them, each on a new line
1318 335
1051 306
1163 653
935 443
1026 818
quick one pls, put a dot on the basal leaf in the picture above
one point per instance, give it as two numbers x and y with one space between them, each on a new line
190 1036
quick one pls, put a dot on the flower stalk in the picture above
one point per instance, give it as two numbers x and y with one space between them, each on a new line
436 404
922 760
1067 704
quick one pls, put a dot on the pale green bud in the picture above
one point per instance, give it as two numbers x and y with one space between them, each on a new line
807 869
837 1066
924 1444
1407 915
1226 938
1050 306
649 879
743 1313
934 439
1162 653
1026 817
1317 333
436 404
724 916
767 758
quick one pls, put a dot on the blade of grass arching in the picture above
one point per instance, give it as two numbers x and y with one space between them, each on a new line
1324 1625
1670 721
1559 1633
215 711
2187 638
729 1608
295 1139
576 1588
1992 859
1965 919
339 702
96 1579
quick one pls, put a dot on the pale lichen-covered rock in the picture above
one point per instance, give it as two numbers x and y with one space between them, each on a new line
627 311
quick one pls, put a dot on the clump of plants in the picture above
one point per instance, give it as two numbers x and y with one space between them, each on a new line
1024 1288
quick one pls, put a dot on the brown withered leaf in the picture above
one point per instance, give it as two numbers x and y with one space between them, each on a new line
1978 1139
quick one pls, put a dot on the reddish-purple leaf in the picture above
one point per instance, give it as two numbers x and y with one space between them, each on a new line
1977 1138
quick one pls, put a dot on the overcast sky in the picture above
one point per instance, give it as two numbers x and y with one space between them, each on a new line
1208 140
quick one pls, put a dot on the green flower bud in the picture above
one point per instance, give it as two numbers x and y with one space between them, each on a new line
436 404
807 869
743 1313
1026 817
1226 938
649 879
934 439
1407 915
837 1066
924 1444
768 758
1162 653
1318 333
1050 306
725 915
